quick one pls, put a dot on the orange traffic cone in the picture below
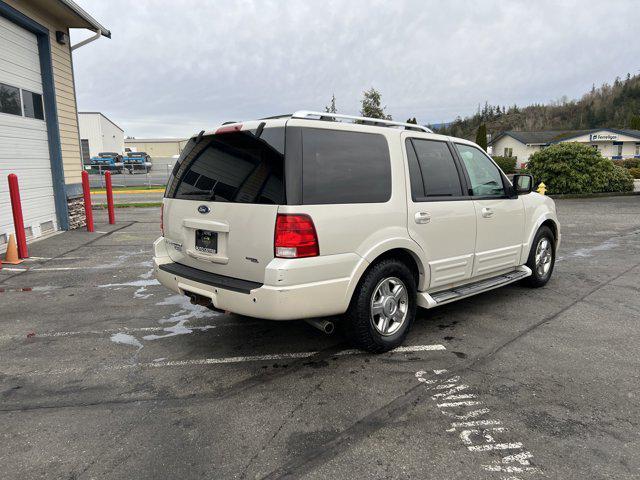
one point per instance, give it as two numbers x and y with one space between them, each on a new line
11 257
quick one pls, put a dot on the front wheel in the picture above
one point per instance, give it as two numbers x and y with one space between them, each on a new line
542 258
383 307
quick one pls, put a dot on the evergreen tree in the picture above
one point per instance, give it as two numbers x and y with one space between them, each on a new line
481 136
634 123
372 105
332 106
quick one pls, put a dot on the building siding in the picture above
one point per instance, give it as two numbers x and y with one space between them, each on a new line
65 91
102 134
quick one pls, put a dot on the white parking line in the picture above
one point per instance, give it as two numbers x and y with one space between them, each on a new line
222 360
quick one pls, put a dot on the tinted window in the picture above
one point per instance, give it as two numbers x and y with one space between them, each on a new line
344 167
32 103
10 100
232 167
436 168
486 180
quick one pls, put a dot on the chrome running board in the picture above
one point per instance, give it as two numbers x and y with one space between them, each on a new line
427 300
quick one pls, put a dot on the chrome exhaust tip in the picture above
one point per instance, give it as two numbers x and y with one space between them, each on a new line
325 326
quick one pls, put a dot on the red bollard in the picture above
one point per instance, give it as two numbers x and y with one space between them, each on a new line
112 213
18 221
88 213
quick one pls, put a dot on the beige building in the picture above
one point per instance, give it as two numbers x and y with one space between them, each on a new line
163 151
156 147
612 143
38 113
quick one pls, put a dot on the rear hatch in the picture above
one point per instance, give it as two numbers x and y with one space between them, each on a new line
222 200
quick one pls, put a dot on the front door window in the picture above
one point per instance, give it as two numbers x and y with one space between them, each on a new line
486 180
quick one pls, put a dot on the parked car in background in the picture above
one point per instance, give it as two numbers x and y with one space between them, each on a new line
312 216
137 162
105 161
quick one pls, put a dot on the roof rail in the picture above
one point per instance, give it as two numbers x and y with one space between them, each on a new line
378 122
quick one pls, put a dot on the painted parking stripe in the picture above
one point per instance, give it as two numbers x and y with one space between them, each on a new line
277 356
227 360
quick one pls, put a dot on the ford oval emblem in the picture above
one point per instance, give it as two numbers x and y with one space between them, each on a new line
203 209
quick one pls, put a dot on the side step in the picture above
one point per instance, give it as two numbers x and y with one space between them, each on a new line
427 300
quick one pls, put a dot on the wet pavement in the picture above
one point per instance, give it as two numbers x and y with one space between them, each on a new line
105 374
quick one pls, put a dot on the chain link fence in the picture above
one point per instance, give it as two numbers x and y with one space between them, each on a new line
143 185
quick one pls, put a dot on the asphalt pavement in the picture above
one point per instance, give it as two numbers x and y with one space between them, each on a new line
105 374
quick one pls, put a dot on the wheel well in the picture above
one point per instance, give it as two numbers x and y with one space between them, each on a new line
405 256
553 227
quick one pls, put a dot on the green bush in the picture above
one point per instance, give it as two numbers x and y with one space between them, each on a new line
631 163
507 164
635 172
577 168
620 163
621 180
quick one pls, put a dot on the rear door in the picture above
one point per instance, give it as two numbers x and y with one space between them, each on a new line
221 204
441 218
500 219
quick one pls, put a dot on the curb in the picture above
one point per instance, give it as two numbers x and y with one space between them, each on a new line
592 195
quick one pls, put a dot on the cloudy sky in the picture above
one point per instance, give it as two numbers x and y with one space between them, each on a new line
174 67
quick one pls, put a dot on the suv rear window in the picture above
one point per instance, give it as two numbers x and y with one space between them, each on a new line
232 167
344 167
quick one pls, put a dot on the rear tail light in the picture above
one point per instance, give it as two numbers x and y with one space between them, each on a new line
295 237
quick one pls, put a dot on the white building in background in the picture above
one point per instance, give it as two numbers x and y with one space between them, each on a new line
99 134
611 143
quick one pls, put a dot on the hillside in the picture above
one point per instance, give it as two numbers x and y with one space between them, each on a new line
614 106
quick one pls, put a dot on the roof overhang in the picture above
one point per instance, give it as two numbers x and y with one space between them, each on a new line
71 15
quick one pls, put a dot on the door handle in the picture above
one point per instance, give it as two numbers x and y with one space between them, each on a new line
487 212
422 217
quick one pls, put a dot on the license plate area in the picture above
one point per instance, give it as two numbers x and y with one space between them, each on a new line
207 241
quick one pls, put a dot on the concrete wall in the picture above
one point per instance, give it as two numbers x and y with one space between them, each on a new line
65 91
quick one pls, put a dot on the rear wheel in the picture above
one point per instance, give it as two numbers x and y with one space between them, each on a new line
383 307
542 258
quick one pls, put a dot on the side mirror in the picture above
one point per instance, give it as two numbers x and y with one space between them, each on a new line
523 184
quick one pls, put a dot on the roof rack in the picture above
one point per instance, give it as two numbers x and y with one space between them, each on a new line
378 122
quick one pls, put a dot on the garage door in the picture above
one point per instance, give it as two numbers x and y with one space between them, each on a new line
24 149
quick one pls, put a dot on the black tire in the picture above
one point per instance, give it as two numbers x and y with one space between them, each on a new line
358 322
539 278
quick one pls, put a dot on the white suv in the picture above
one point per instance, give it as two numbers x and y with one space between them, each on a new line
314 215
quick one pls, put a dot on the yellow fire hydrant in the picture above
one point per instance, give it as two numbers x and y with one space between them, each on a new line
542 188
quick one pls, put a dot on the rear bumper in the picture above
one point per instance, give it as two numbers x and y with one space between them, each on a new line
291 302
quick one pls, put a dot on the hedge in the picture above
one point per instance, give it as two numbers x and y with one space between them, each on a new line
507 164
576 168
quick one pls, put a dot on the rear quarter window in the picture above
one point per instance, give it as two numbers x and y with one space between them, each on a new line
344 167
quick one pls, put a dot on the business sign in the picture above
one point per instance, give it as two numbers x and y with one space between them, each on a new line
603 137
